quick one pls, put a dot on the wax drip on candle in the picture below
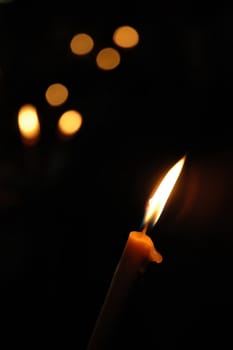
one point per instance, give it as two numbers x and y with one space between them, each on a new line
154 255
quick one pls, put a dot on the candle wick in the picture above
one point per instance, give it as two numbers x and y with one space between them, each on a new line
144 230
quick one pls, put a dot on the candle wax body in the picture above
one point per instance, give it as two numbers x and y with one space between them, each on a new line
138 252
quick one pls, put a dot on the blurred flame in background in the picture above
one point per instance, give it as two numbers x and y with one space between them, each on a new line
56 94
28 124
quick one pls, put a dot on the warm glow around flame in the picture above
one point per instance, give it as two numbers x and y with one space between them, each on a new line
159 198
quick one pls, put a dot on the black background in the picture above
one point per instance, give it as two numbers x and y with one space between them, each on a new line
67 207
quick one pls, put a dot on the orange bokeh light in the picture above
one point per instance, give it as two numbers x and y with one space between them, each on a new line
69 123
108 58
126 36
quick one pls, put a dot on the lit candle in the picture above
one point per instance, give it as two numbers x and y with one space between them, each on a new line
139 251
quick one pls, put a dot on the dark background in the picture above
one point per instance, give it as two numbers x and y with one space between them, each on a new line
67 207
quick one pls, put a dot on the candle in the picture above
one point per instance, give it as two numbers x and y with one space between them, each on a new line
138 252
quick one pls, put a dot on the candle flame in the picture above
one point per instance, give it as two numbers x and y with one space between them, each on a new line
159 197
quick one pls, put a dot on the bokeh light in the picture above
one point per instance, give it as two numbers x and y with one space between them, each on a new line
28 124
126 37
69 123
56 94
108 58
81 44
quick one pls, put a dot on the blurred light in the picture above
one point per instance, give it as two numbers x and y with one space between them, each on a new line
81 44
69 123
28 124
56 94
126 37
108 58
